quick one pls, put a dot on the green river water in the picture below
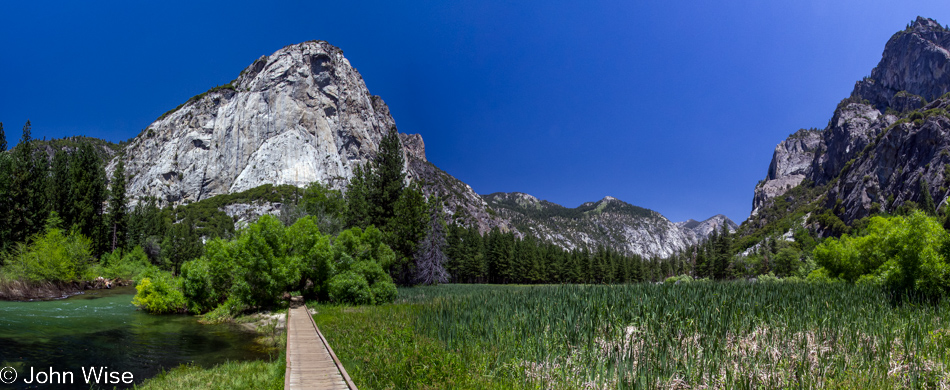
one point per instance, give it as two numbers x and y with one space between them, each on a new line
102 328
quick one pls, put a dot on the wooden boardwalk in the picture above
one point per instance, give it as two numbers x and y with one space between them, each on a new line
311 363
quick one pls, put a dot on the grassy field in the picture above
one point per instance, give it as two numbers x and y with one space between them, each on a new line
700 335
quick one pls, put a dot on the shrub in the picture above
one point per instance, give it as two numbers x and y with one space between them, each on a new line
821 275
262 269
384 291
350 287
678 279
223 313
769 278
52 256
158 292
197 286
904 254
117 265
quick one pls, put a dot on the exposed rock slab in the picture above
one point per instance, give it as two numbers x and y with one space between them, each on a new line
300 115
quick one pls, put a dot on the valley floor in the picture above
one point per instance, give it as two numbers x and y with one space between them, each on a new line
698 335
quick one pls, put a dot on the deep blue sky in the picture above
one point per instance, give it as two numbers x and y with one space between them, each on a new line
670 105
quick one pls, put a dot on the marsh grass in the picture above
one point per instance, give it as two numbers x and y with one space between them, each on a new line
254 375
702 335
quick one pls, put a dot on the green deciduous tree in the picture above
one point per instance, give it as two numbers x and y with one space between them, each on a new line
327 206
905 254
51 256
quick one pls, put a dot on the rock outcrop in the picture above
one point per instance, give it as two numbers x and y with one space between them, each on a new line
609 223
883 140
914 68
791 162
300 115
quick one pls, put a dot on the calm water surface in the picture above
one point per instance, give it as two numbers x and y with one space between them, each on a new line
103 329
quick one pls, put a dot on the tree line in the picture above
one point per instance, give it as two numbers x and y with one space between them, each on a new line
70 183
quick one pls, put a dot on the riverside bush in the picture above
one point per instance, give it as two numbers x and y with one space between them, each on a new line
118 265
906 254
350 287
197 286
158 292
262 268
52 256
267 259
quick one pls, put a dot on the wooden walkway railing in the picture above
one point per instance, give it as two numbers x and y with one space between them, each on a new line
311 363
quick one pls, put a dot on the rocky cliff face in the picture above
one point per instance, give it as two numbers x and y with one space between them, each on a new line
303 114
791 162
300 115
608 222
884 139
914 68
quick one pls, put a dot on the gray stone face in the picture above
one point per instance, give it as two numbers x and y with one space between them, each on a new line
852 128
300 115
915 65
791 162
889 173
868 160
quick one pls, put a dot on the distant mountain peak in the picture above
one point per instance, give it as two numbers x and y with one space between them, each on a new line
926 25
707 226
609 222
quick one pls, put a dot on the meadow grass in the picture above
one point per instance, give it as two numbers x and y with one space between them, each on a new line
700 335
253 375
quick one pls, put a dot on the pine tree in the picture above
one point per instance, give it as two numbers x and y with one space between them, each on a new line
723 255
3 139
147 226
61 187
28 188
357 199
926 201
430 257
88 193
117 207
405 230
181 244
6 188
387 179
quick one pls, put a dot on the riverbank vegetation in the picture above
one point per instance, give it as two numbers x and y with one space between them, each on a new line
701 334
253 375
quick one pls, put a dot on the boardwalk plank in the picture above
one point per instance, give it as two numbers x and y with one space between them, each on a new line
311 363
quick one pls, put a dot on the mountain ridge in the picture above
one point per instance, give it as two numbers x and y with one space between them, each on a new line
304 114
884 145
608 222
